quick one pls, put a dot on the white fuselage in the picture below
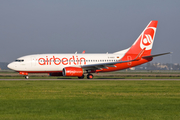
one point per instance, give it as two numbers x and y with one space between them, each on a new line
56 62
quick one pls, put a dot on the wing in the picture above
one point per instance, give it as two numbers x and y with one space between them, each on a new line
101 65
112 64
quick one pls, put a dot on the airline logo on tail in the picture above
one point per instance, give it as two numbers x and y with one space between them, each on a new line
147 38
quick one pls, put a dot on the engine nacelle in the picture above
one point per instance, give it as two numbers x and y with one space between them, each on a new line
72 71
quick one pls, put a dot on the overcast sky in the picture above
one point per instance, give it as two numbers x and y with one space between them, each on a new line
96 26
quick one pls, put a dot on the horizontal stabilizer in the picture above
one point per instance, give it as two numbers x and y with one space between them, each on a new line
156 55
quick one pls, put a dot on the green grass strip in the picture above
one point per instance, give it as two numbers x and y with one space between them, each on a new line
87 100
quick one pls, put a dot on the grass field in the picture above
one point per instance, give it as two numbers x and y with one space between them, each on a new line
86 100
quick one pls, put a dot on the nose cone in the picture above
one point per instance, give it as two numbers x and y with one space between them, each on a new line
11 66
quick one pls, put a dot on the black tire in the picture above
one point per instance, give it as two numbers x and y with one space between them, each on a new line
90 76
26 77
82 77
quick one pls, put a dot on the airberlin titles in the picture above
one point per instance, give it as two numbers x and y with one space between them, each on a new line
65 61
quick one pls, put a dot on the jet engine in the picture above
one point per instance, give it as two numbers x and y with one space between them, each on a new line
72 71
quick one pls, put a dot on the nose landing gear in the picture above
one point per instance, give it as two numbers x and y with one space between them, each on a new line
24 73
26 77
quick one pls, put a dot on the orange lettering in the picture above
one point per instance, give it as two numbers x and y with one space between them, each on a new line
64 61
43 61
70 61
83 59
56 62
74 60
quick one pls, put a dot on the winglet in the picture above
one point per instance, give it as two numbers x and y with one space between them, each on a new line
83 52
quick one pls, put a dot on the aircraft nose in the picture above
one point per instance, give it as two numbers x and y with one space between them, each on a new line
11 66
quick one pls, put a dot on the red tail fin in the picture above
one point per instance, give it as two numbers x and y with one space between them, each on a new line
144 41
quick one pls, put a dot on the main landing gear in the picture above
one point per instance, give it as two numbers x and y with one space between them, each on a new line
89 76
81 77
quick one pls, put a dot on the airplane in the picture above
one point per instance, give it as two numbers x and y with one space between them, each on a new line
79 65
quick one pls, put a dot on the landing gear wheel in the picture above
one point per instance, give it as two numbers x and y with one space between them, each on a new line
27 77
89 76
81 77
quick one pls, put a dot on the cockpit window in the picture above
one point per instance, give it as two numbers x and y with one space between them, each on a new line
19 60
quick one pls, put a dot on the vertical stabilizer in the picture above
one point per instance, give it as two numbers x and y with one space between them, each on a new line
144 41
